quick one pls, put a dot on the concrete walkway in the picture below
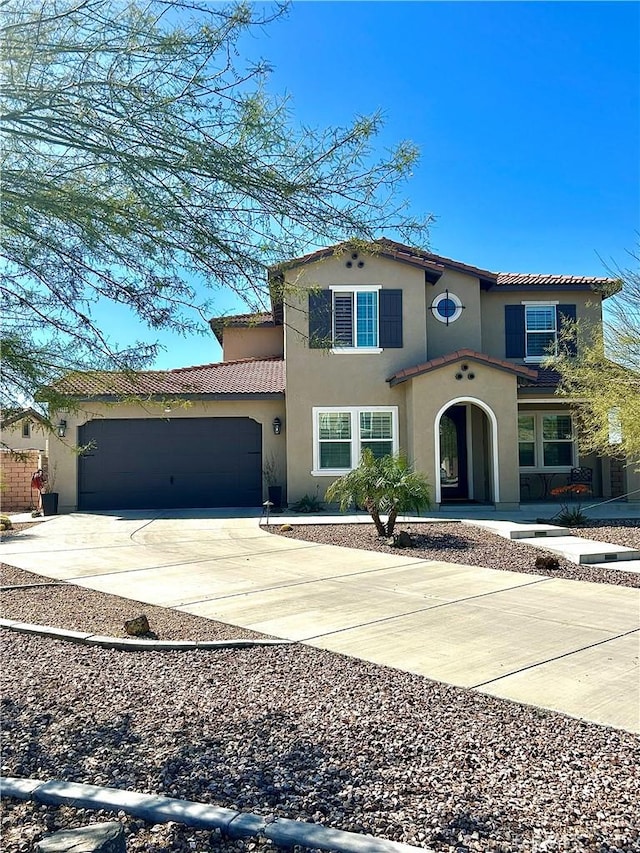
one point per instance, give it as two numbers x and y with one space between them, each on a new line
559 644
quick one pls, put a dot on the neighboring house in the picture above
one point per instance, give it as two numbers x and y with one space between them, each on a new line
24 443
24 430
390 348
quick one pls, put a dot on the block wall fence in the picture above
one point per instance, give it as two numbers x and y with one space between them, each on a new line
15 479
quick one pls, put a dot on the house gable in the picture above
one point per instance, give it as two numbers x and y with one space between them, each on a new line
461 360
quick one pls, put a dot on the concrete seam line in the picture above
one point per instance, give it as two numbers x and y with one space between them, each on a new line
161 809
451 603
553 659
132 644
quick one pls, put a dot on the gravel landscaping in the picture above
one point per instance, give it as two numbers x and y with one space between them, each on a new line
453 542
78 609
625 532
302 733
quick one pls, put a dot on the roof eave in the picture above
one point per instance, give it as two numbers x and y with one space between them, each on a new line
164 398
521 372
28 413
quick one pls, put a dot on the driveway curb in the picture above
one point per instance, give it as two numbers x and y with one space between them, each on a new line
133 644
231 823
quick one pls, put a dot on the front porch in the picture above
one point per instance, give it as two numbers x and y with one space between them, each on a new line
593 479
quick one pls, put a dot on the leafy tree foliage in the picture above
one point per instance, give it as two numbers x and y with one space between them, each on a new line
604 378
383 486
143 163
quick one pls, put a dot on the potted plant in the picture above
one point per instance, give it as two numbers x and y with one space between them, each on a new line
48 495
270 471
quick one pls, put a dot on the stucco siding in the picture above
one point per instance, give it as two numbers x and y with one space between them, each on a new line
588 311
491 391
252 342
466 331
318 377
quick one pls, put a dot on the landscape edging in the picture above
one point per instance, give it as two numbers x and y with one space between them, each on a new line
234 824
133 644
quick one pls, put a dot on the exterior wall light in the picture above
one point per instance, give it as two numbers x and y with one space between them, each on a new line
62 429
277 426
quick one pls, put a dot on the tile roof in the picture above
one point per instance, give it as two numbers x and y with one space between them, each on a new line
247 376
544 280
389 249
547 378
13 416
429 260
437 264
256 320
442 361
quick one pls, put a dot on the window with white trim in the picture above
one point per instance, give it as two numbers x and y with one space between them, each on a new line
341 433
26 429
355 318
546 440
540 331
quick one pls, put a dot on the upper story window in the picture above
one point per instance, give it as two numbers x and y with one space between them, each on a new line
355 318
26 429
541 331
533 330
348 319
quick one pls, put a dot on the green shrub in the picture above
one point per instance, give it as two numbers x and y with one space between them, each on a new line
385 486
571 517
307 504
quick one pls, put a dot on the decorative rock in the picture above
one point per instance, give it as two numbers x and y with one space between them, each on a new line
96 838
138 626
402 540
547 564
286 528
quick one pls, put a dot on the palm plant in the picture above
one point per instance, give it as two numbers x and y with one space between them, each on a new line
383 486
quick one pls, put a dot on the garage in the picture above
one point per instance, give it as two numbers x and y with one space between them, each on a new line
158 463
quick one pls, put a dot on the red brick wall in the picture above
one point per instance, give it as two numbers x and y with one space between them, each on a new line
15 484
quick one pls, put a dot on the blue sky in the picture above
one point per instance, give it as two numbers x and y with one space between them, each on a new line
527 117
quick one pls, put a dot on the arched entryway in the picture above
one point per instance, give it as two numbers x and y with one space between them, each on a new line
466 452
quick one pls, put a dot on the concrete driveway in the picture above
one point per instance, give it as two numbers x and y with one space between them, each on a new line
555 643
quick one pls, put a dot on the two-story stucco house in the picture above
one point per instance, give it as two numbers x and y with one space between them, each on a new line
389 348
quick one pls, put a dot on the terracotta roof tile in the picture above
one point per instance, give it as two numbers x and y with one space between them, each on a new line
546 280
438 263
258 319
247 376
547 378
13 416
441 361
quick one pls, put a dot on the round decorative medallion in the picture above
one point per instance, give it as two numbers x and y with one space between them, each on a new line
447 307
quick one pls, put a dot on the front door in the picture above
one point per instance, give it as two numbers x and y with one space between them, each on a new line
453 454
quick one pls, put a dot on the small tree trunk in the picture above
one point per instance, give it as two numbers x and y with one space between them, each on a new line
372 509
391 522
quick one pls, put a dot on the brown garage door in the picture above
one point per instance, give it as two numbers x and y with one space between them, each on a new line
152 463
